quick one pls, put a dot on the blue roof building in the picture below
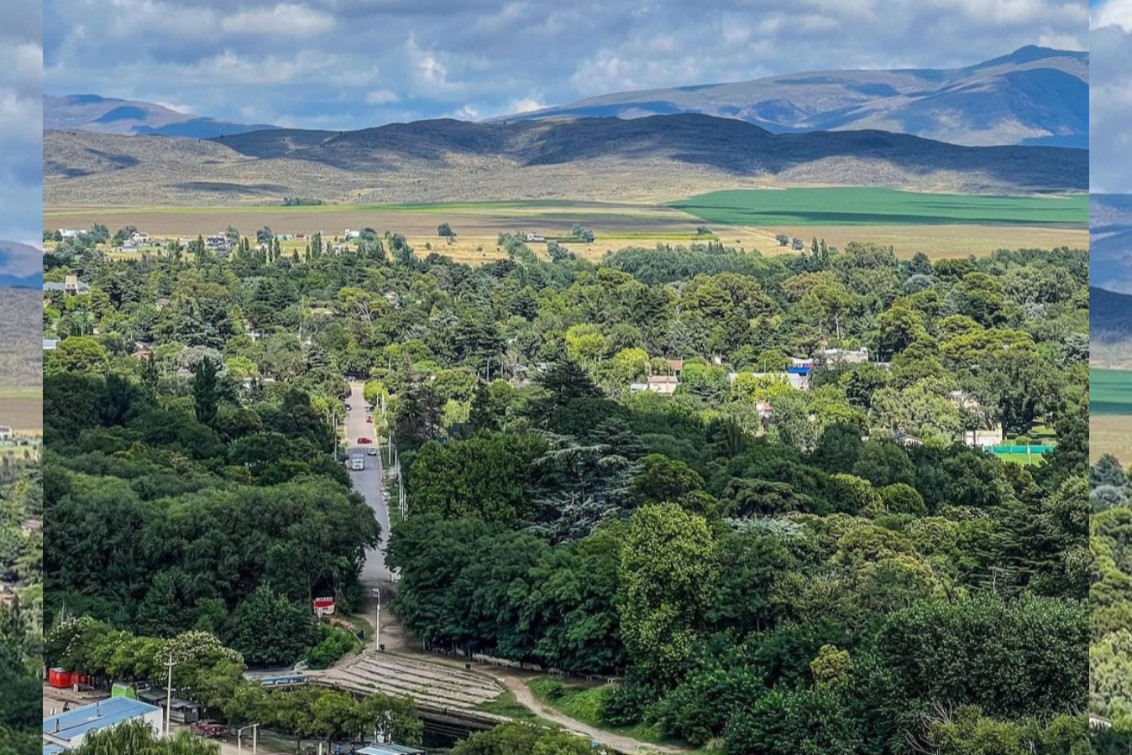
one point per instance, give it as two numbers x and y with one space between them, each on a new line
390 750
50 343
67 730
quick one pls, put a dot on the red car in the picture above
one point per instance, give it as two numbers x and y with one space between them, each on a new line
364 441
209 729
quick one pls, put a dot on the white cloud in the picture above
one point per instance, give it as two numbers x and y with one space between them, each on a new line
525 105
1112 13
286 19
382 97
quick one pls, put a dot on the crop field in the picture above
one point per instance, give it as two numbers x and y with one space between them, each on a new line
891 218
1110 413
878 206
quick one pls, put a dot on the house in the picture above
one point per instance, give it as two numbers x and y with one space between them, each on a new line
676 365
798 377
50 344
67 730
71 233
6 432
906 440
137 237
71 286
842 357
983 438
665 385
351 234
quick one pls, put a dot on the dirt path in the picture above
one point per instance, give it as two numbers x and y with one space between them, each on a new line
517 683
397 642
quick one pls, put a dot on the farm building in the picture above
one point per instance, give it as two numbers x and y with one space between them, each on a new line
5 432
67 730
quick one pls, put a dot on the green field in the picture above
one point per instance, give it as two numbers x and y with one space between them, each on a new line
1110 392
875 206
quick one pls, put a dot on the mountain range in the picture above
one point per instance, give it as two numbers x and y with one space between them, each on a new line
106 115
1033 96
21 265
1110 241
670 156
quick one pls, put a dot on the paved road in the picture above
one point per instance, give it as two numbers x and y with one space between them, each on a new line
369 482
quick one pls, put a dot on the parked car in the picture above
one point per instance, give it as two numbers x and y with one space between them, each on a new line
372 452
209 729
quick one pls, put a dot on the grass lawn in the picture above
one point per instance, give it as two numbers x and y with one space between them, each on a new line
583 703
507 705
877 206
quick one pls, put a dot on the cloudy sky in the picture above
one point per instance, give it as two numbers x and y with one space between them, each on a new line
1110 95
345 64
21 118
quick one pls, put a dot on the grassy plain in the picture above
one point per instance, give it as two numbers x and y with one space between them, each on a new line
937 224
22 410
1110 413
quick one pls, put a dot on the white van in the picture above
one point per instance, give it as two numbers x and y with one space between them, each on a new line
357 462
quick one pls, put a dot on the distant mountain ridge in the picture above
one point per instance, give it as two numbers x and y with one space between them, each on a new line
597 158
107 115
21 265
1110 241
1033 96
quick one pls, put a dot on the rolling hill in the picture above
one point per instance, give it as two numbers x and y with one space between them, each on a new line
658 157
106 115
1110 328
1033 96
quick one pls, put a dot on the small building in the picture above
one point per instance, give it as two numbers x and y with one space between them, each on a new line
535 237
390 749
180 711
71 286
6 432
350 234
665 385
50 344
799 378
982 438
676 365
842 357
68 730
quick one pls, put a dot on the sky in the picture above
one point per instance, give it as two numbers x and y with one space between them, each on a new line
345 64
21 119
1110 95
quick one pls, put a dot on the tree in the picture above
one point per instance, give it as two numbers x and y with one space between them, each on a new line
782 239
138 738
270 630
667 569
206 390
444 230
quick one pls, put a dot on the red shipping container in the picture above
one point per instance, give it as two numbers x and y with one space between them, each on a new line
61 678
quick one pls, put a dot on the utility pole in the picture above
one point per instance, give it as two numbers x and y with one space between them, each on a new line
377 621
169 693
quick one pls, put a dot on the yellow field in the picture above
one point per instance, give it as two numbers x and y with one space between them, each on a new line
615 226
1110 434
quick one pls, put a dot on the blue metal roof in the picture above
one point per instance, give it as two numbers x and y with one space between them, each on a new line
52 750
80 721
50 343
390 750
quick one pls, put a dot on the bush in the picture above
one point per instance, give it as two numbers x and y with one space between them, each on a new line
335 642
625 703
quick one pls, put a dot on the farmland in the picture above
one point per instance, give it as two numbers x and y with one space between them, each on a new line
1110 403
938 225
868 206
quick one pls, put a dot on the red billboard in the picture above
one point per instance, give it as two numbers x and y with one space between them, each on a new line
324 605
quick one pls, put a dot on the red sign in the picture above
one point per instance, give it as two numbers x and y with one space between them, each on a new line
324 605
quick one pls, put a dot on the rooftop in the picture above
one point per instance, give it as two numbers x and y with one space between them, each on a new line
390 750
81 721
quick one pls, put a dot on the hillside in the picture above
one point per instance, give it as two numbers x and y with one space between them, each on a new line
107 115
21 266
1034 96
659 157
